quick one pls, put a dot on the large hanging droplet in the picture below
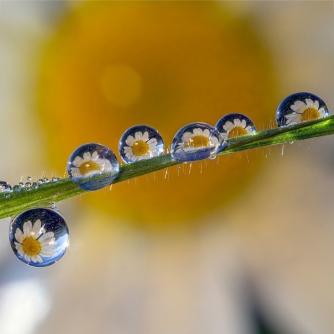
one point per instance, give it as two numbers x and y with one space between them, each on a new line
195 141
39 237
300 107
89 161
140 142
234 125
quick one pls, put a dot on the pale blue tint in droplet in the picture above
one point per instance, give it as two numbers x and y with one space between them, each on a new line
195 141
140 142
234 125
89 161
300 107
16 189
39 237
5 186
34 185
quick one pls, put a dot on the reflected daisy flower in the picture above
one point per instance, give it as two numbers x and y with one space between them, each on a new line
89 165
308 111
197 139
140 147
34 242
236 128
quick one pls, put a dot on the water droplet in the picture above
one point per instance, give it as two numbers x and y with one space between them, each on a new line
21 184
300 107
90 160
5 186
39 237
29 178
35 185
28 185
40 181
140 142
195 141
53 206
234 125
45 180
16 189
54 179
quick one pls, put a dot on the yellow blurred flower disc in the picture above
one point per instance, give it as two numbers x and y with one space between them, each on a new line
113 65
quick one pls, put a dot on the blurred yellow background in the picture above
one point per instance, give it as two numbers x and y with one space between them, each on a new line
240 244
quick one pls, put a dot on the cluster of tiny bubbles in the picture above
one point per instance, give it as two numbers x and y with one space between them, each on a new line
140 142
90 160
195 141
300 107
39 236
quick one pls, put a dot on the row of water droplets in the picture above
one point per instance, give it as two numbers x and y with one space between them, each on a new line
39 236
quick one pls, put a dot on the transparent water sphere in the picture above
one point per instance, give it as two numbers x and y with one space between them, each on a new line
195 141
5 186
234 125
89 161
300 107
140 142
39 237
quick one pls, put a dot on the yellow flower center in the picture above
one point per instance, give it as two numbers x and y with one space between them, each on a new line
31 246
237 132
140 148
197 142
310 114
88 167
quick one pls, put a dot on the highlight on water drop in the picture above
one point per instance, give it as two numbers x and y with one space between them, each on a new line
39 237
234 125
195 141
89 161
5 186
140 142
300 107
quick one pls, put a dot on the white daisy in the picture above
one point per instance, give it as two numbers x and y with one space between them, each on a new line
34 242
308 111
140 147
236 129
197 139
89 165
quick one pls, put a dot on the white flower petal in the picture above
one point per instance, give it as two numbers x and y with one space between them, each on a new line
206 133
77 162
249 129
316 104
293 119
243 123
130 140
95 156
237 122
228 126
48 235
145 136
87 156
19 235
309 103
186 136
138 135
27 227
197 131
36 230
224 136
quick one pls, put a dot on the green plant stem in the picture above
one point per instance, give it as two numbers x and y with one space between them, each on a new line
11 203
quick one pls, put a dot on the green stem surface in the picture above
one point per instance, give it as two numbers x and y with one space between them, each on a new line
11 203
